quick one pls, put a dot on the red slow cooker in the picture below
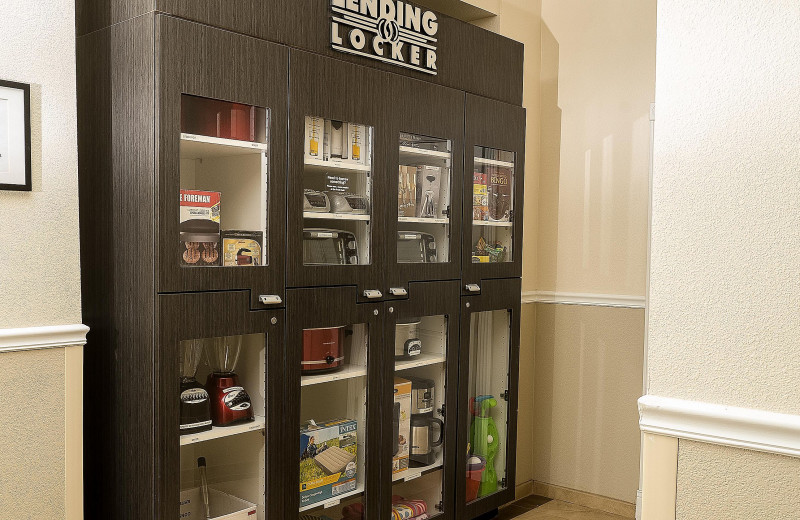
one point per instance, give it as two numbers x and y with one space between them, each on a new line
323 349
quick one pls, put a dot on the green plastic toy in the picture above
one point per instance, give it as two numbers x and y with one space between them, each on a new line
485 440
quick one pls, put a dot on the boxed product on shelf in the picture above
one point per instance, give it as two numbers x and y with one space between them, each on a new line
480 197
336 140
222 506
499 194
199 227
402 422
241 248
315 137
328 454
407 192
429 182
357 135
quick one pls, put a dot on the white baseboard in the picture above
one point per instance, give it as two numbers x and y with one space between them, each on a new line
34 338
597 300
724 425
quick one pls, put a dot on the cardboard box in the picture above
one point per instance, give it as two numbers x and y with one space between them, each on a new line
315 137
328 460
429 182
223 506
500 186
200 217
480 197
242 248
407 192
402 396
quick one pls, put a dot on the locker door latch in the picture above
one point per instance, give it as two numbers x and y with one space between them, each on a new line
372 294
473 288
270 299
398 291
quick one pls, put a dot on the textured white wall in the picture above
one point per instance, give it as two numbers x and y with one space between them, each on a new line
725 266
716 482
39 250
725 274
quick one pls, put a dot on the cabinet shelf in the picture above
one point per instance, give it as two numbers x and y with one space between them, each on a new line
493 162
218 432
491 223
336 216
318 165
421 220
334 501
348 372
419 361
203 146
411 156
414 473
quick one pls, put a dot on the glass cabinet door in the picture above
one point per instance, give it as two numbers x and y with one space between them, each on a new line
224 181
222 420
331 355
337 192
492 206
423 200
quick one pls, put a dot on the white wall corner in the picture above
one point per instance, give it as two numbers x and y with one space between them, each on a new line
34 338
723 425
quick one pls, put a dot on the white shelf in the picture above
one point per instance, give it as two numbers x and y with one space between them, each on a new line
348 372
494 162
413 473
418 361
335 216
335 501
318 165
421 220
411 156
491 223
217 432
202 146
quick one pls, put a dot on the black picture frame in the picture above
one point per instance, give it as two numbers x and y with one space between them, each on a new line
26 90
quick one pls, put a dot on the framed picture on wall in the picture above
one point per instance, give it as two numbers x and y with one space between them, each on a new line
15 136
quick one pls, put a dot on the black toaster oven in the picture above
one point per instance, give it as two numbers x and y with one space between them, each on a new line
329 246
415 247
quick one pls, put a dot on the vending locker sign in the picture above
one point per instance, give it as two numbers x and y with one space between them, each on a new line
392 31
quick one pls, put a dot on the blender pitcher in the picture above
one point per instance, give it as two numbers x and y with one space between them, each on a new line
230 403
195 410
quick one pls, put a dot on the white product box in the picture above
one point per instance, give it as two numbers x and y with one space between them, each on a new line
315 137
223 506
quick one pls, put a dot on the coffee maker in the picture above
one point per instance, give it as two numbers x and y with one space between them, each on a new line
195 412
230 403
423 423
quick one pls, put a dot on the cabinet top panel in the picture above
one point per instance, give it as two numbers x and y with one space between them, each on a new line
457 54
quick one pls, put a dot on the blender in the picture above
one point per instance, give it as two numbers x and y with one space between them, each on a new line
230 403
195 412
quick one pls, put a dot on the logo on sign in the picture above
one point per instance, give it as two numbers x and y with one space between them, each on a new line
391 31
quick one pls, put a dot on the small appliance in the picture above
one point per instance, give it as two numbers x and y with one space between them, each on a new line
415 247
316 201
428 188
195 410
423 442
323 349
329 246
406 339
348 203
422 395
230 403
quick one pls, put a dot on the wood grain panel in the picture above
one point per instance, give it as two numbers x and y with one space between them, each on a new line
501 126
91 15
116 183
469 58
203 61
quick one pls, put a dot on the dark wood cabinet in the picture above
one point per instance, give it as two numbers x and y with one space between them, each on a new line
246 189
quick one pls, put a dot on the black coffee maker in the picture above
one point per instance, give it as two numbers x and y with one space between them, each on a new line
423 424
195 406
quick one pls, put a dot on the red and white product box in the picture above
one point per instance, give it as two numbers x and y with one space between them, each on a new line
199 227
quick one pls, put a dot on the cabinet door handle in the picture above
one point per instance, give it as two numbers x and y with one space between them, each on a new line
473 287
398 291
270 299
372 293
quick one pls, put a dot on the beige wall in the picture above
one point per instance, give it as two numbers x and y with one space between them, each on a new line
598 74
588 377
39 262
725 283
